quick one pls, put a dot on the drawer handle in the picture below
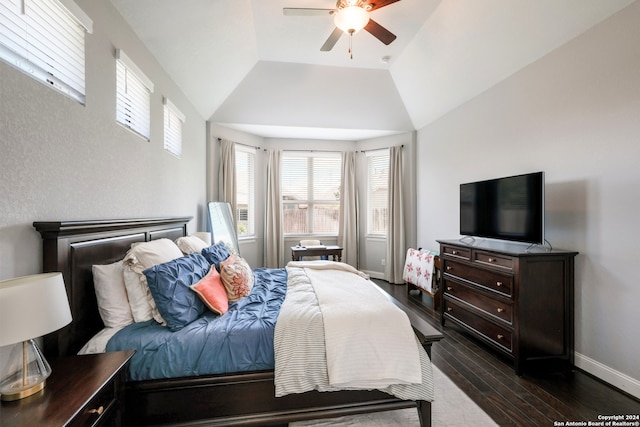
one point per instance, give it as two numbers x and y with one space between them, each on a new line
492 260
449 268
498 284
449 309
500 310
500 336
449 288
454 252
98 411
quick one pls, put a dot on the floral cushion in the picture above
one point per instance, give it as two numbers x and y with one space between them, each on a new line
237 277
418 269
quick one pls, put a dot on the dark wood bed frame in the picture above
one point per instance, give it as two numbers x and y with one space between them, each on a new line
72 247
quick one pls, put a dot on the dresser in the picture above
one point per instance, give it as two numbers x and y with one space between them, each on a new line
518 301
81 391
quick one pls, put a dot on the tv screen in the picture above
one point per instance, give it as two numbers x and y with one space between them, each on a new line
510 208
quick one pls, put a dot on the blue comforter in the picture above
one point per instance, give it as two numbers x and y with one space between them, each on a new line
239 340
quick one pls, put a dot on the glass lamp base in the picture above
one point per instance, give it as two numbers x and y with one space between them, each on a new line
17 390
25 373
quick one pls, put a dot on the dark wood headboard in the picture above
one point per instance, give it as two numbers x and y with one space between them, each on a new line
73 247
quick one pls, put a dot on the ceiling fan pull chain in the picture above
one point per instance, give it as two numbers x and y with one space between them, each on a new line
350 44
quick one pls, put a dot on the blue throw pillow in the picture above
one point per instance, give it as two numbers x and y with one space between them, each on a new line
217 253
169 285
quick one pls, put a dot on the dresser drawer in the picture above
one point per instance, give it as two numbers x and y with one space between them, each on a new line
99 409
501 283
502 337
496 308
456 252
488 258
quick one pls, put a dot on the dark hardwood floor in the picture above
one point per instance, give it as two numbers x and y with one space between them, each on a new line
534 399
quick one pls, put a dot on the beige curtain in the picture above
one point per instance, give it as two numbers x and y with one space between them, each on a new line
396 246
227 174
273 232
348 226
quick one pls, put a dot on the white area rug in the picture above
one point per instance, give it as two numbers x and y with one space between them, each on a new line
451 407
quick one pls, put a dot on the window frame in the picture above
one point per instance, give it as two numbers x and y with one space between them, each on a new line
173 127
46 41
371 156
251 198
133 96
311 199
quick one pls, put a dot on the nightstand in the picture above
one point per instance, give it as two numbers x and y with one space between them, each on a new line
83 390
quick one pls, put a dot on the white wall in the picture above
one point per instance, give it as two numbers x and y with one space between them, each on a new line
60 160
574 114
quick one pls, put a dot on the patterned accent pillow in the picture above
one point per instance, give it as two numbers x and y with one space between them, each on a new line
418 268
212 292
237 277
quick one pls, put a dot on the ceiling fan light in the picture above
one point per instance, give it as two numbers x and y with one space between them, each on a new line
351 19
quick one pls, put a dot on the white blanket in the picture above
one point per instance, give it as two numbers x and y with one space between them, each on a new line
357 354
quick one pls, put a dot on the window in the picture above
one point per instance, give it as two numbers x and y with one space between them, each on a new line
311 192
377 192
133 99
45 40
245 197
173 120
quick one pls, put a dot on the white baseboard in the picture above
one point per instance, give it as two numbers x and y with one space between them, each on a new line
611 376
374 274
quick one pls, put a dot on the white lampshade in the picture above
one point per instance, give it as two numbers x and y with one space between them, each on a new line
351 19
32 306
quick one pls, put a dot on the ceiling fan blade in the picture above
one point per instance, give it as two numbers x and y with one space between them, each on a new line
306 11
332 40
379 32
377 4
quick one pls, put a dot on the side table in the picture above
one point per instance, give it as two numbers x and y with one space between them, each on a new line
83 390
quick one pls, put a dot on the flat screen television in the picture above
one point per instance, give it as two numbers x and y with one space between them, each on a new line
509 208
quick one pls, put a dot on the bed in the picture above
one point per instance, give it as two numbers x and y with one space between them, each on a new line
240 398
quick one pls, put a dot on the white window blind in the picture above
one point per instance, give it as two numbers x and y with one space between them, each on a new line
133 96
311 192
173 120
245 190
45 39
377 191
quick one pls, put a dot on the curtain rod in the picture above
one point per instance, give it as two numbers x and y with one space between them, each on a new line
240 143
376 149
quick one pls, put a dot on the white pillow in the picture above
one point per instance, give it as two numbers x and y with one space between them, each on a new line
191 244
204 235
141 256
111 293
140 302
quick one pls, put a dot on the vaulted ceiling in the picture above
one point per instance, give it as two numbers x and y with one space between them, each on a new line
245 65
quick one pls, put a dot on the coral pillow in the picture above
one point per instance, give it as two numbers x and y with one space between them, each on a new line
237 277
212 292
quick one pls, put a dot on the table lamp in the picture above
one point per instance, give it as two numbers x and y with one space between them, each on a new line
30 307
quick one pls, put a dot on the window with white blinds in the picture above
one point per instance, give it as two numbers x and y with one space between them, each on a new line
173 121
245 190
377 191
133 96
45 40
311 192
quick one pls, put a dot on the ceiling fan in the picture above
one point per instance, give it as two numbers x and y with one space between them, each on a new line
350 16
